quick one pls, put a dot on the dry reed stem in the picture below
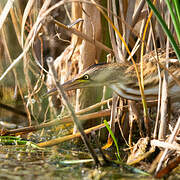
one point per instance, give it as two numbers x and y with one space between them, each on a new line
15 22
56 122
25 16
111 32
120 56
129 14
164 99
93 106
69 137
138 13
5 12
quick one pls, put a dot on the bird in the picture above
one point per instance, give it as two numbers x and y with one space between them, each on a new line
122 77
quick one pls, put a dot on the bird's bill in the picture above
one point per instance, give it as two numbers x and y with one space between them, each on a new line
72 85
69 85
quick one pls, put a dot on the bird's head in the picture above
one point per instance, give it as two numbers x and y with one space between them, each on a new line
94 76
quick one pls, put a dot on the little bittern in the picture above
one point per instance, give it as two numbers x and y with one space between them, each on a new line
122 78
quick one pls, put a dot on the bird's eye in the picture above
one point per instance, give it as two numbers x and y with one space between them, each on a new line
86 77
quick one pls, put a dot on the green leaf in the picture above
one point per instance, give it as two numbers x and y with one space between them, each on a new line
165 28
175 21
114 139
177 8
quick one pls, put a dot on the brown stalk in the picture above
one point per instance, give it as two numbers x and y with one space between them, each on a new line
69 137
16 23
129 14
152 26
164 99
121 56
67 119
111 32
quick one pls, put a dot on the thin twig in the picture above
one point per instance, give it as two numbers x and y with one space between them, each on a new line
70 108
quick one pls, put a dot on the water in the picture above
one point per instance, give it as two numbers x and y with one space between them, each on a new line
22 162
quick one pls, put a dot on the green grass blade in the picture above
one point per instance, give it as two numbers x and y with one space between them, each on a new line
177 8
175 21
114 139
165 28
13 140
